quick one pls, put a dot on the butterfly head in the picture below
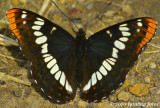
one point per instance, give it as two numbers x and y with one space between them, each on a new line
81 33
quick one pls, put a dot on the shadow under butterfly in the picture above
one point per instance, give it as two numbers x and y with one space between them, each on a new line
60 63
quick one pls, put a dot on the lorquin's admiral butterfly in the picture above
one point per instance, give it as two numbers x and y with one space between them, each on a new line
60 63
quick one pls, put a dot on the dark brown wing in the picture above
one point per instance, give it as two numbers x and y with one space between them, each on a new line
110 54
49 48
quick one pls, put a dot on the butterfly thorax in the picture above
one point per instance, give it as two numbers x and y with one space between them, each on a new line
80 44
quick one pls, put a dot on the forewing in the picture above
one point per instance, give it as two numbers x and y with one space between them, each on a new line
49 48
111 53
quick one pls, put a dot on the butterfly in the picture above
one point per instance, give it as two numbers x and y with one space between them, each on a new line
61 64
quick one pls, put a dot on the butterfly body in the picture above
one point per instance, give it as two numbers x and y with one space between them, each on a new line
97 65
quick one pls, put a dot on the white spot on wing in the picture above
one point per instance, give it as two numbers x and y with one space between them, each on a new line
112 59
24 22
50 97
54 69
23 16
62 79
35 27
123 28
123 39
123 25
31 72
87 86
139 20
119 45
47 59
39 23
42 89
24 12
112 91
40 19
57 75
94 79
37 33
58 101
68 87
99 76
44 48
110 62
35 81
53 29
95 100
108 32
103 70
104 97
139 24
120 84
138 30
126 33
41 40
51 63
126 76
107 65
114 53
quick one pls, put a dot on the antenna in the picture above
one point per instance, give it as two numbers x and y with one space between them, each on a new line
65 15
98 15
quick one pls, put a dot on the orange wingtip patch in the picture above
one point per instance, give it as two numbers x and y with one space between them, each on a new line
151 30
149 36
150 20
12 17
13 11
12 20
13 26
152 25
19 37
147 30
9 16
140 46
16 32
145 40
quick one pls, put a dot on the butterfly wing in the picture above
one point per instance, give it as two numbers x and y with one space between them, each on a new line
110 54
49 48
